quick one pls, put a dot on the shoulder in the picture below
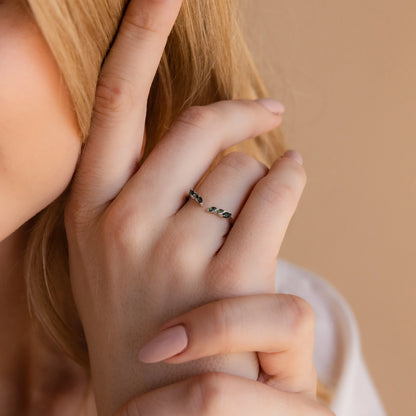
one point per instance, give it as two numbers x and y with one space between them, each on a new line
338 355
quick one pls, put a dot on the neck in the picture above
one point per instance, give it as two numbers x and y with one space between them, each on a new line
34 374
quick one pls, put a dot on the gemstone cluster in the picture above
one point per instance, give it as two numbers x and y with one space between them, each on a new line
213 210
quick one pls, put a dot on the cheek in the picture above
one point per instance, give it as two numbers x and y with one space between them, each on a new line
39 139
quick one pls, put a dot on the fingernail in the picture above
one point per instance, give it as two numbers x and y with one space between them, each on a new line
273 106
168 343
293 154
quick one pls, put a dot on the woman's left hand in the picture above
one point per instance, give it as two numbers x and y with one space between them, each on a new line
280 326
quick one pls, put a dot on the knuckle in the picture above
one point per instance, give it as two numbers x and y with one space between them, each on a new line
240 161
113 95
208 392
302 316
199 117
120 228
140 26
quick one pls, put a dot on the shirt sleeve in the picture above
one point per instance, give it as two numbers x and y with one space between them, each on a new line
338 356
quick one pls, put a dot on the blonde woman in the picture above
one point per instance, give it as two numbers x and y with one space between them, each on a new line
153 267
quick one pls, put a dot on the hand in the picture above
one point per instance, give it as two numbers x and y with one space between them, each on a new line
139 252
280 326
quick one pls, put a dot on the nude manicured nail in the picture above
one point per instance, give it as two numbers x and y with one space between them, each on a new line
168 343
293 154
272 105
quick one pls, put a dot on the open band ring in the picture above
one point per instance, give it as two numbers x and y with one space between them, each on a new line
212 210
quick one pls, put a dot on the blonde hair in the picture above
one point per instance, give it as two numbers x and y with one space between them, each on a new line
205 60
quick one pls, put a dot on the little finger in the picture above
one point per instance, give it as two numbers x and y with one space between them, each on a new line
260 228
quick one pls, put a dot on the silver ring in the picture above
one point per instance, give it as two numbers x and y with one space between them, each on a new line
212 210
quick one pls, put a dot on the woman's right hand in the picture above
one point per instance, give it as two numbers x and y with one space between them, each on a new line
139 251
279 326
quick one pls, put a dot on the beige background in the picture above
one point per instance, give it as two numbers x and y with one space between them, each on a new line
346 72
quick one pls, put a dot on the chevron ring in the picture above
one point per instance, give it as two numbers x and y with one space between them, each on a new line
213 210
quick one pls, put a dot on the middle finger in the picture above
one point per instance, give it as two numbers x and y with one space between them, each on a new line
180 160
226 187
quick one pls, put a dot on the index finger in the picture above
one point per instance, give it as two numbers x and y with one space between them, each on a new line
117 126
284 340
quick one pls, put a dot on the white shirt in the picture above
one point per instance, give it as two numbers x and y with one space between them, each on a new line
338 357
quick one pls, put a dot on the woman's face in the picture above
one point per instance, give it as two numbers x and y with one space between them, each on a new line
39 142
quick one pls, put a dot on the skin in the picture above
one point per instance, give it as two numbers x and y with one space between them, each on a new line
37 167
132 249
30 89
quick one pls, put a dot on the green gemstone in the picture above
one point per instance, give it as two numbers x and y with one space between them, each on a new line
212 209
226 215
199 199
220 211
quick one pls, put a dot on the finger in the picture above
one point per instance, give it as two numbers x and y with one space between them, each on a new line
227 186
259 230
221 394
180 160
279 326
117 126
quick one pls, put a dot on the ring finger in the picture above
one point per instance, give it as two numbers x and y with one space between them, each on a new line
226 187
